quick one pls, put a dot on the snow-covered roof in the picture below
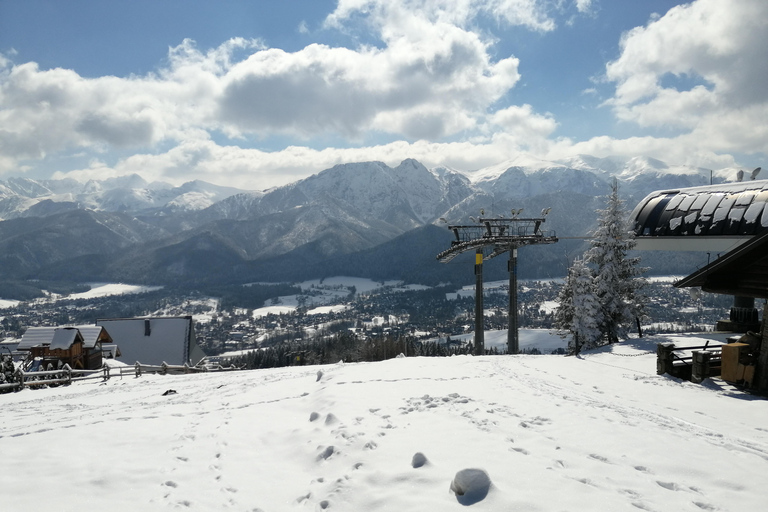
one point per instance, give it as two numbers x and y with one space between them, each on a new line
64 337
55 337
93 334
728 213
59 337
35 337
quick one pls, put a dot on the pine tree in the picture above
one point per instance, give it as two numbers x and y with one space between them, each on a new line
579 310
616 277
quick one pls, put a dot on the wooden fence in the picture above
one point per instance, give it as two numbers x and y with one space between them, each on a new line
67 375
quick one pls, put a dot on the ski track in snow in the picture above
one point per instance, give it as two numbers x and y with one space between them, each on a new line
390 436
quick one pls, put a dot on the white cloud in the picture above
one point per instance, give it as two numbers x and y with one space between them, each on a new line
393 15
426 86
584 6
431 79
717 48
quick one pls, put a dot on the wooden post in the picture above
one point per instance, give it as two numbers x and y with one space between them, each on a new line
761 372
665 358
700 370
68 371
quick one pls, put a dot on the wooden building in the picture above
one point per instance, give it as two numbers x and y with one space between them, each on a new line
743 273
731 218
77 346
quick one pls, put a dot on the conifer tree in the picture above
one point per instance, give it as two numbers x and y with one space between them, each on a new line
602 295
617 281
579 310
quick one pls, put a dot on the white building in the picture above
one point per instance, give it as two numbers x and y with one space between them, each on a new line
154 340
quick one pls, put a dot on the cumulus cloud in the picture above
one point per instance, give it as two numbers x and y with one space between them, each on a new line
717 49
429 85
430 79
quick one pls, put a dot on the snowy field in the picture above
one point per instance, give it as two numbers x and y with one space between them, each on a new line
107 289
599 432
5 304
321 293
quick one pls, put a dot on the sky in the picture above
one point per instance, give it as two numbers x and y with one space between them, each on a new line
260 94
544 433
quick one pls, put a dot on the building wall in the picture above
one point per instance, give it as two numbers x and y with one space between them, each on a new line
168 339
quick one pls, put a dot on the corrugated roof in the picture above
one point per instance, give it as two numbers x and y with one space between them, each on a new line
730 209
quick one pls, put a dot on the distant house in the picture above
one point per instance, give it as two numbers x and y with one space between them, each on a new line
77 346
154 340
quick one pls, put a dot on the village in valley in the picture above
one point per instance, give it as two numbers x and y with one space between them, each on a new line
362 307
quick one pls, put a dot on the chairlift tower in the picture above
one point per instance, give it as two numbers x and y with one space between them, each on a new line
491 237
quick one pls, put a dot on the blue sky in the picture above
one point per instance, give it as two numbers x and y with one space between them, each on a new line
258 94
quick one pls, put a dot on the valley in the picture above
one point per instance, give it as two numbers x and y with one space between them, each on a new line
267 315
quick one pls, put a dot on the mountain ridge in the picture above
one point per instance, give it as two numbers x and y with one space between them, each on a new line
158 232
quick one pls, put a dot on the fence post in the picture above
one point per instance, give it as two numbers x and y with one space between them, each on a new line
700 369
664 358
20 377
68 370
137 367
165 368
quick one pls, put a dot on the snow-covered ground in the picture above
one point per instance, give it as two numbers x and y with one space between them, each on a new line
361 284
325 310
545 340
552 433
5 304
107 289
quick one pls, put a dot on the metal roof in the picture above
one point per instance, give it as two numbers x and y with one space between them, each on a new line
710 218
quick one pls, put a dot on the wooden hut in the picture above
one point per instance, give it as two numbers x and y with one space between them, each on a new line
77 346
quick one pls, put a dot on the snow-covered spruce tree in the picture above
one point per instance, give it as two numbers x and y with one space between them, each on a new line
579 310
617 282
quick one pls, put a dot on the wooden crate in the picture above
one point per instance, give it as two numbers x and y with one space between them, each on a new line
732 353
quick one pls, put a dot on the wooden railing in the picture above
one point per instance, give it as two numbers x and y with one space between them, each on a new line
704 361
66 375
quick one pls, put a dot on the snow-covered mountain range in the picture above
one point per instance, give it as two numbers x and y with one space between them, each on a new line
24 197
155 231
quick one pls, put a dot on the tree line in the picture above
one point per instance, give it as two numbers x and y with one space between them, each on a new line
345 347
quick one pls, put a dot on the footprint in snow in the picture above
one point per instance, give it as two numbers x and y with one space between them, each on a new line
326 453
672 486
